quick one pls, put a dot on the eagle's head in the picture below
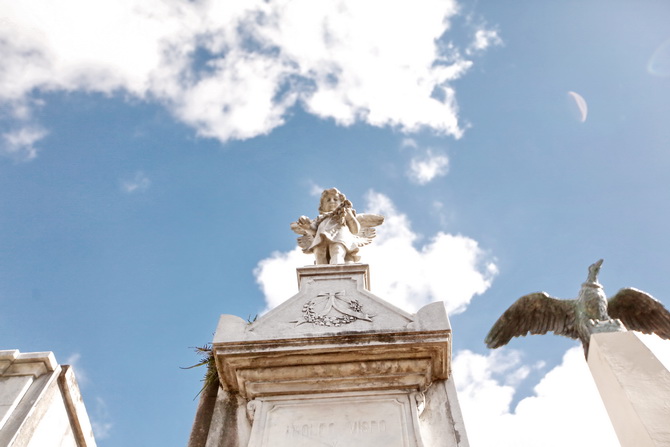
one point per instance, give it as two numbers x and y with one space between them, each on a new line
594 269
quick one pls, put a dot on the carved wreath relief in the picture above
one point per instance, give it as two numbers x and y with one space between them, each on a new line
331 309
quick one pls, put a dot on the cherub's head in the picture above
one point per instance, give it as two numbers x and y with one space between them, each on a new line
330 199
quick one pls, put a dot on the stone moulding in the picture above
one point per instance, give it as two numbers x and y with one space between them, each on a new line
40 402
333 271
34 364
342 363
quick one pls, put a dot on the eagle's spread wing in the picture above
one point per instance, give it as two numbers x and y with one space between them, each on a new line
367 232
639 311
537 313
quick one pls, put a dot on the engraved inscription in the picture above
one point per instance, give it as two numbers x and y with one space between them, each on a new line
372 426
360 420
312 430
330 434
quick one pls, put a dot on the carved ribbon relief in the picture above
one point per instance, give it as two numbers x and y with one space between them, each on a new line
332 309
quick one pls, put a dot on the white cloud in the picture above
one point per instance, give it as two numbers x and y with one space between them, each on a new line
439 210
97 409
19 144
565 409
232 70
450 268
137 183
409 142
424 168
276 275
315 190
79 372
483 39
100 420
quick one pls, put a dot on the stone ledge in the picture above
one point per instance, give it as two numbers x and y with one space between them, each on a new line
329 271
13 363
347 362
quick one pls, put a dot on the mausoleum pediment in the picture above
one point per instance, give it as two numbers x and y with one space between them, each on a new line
334 335
331 300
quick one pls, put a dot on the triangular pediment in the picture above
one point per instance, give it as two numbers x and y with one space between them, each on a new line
336 323
332 299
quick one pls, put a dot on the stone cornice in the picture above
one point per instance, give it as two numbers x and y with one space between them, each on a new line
14 363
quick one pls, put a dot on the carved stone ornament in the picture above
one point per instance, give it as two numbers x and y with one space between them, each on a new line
335 236
252 407
420 399
590 313
331 309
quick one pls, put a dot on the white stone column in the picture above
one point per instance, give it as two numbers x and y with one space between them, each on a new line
634 386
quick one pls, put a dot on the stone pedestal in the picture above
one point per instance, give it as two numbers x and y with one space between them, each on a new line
332 366
635 388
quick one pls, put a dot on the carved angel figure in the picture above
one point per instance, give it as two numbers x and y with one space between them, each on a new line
338 232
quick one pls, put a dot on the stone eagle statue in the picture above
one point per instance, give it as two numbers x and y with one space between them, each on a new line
538 313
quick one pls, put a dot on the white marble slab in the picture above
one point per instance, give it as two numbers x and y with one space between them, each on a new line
367 419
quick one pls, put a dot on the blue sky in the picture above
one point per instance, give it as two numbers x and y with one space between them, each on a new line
153 154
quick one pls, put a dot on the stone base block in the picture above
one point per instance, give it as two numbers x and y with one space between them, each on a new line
635 388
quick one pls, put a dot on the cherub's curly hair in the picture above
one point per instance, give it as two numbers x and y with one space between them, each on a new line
328 192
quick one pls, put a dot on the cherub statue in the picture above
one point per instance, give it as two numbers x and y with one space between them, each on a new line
336 235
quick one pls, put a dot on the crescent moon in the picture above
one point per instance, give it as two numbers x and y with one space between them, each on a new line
581 105
659 63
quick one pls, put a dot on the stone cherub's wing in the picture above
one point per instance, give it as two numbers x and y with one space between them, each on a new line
306 238
367 232
537 313
641 312
368 220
